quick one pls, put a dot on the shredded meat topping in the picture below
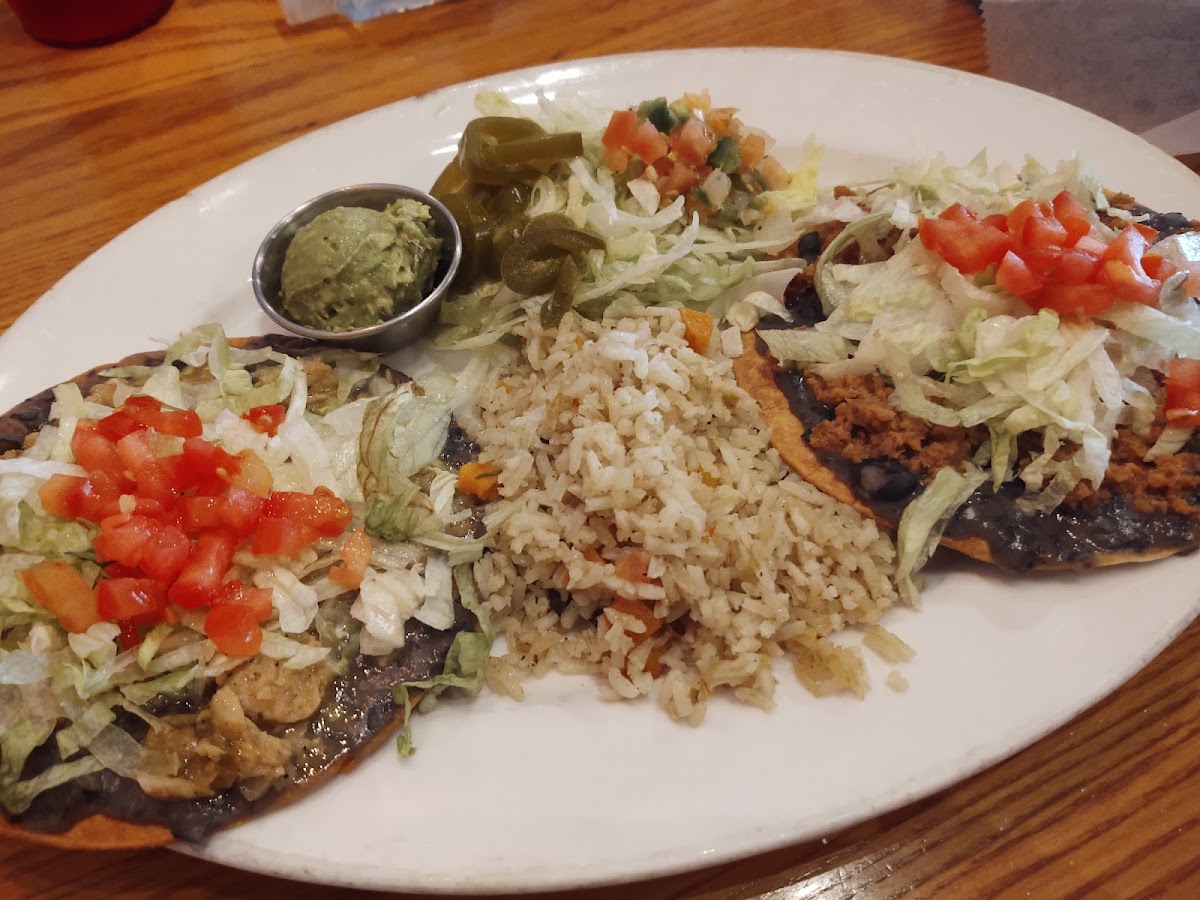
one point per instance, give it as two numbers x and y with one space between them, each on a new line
865 425
270 692
211 751
322 385
1166 485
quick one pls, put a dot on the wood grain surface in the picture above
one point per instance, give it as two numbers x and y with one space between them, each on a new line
92 141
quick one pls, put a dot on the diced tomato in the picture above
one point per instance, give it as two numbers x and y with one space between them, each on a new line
678 179
124 539
198 514
140 601
95 452
622 126
648 143
132 416
1158 267
234 629
119 570
260 600
1043 232
1128 282
1073 215
355 557
140 413
204 467
1074 299
967 244
1041 261
136 450
240 510
252 474
173 509
157 479
1034 224
199 582
617 159
184 423
1019 215
1075 266
129 637
1015 276
62 495
129 505
772 175
266 419
1183 392
693 142
60 588
1051 243
99 496
166 553
282 537
322 510
752 147
1130 245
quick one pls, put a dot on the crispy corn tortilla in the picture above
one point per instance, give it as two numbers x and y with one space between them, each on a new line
101 831
755 370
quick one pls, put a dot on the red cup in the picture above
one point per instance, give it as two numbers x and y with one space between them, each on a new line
86 23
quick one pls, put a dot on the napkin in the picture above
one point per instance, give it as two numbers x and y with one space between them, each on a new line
296 12
1134 62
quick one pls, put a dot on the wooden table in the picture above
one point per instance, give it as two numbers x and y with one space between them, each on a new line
91 141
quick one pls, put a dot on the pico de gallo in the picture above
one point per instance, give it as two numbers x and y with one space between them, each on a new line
692 149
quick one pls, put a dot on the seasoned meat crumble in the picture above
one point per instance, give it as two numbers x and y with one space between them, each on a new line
864 425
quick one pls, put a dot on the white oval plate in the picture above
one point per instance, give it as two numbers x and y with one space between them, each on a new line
565 789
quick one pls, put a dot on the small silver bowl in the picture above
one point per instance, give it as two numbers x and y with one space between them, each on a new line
385 336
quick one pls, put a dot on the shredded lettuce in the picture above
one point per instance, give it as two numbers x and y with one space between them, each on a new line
23 667
924 520
402 433
805 347
465 667
385 603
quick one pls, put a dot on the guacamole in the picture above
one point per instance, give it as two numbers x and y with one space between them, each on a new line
352 267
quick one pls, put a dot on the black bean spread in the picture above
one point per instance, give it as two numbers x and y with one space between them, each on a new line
357 708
